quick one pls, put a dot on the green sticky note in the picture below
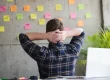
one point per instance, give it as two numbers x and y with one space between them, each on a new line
10 0
88 15
81 6
19 16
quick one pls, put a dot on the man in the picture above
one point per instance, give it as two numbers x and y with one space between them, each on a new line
57 59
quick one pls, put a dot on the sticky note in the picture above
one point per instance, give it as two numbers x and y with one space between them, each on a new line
2 29
19 16
6 18
27 8
81 6
66 28
60 19
33 16
71 1
13 8
80 23
73 15
10 0
47 15
58 7
40 8
88 15
2 8
27 26
17 37
42 22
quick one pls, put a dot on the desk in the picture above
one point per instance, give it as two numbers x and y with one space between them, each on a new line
78 78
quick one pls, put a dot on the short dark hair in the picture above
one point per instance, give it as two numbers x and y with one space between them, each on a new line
53 25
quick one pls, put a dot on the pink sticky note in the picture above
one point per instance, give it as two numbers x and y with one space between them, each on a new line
2 8
73 15
27 26
47 15
66 28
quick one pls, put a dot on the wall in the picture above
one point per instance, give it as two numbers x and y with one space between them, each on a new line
14 62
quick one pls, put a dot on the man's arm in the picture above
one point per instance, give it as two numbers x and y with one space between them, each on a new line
50 36
77 40
77 35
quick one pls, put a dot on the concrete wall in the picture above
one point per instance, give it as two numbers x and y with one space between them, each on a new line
14 62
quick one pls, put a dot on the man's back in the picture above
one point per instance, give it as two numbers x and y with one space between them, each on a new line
58 59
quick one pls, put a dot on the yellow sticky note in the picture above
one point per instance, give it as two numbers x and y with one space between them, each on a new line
40 8
58 7
2 29
6 18
80 23
33 16
13 8
42 22
71 1
27 8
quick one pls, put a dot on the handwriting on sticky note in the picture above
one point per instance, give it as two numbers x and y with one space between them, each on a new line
58 7
80 23
2 29
2 8
47 15
81 6
33 16
40 8
66 28
71 1
19 16
73 15
27 26
88 15
10 0
13 8
42 22
27 8
6 18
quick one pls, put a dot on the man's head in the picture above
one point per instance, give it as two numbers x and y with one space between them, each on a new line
53 25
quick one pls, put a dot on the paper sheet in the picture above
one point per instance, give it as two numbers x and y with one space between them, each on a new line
58 7
27 8
47 15
88 15
2 8
6 18
13 8
40 8
81 6
2 29
80 23
71 1
19 16
42 22
73 15
33 16
27 26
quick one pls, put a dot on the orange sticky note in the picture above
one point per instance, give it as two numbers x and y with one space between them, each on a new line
13 8
60 19
80 23
27 8
71 1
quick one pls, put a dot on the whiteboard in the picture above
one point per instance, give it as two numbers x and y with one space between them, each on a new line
98 62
